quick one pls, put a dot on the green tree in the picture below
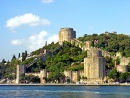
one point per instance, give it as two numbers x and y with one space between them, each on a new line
32 78
92 43
22 77
3 61
56 76
23 56
13 58
118 61
109 63
19 55
26 54
124 76
40 64
113 74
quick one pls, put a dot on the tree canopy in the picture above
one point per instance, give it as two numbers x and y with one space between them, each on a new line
111 42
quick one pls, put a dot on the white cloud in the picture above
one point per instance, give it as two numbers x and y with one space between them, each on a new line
47 1
29 19
52 38
16 42
37 41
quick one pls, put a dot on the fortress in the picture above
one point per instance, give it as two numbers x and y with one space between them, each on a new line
94 63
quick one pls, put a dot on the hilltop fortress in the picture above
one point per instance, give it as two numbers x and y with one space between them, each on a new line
94 63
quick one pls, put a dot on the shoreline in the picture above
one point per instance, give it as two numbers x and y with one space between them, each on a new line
60 84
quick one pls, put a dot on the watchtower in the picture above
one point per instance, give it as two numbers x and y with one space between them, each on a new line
66 34
94 64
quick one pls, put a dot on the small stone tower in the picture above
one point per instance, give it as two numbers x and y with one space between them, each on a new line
43 76
66 34
17 74
19 70
94 64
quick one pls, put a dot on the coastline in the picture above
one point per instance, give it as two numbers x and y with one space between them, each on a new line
61 84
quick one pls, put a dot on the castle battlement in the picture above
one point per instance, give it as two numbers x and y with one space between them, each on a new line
94 52
66 29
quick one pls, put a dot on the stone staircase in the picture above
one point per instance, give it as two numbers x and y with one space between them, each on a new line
44 56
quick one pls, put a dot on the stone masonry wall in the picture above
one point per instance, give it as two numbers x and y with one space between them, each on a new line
94 64
124 61
122 68
73 75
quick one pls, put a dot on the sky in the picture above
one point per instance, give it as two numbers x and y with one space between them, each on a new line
27 24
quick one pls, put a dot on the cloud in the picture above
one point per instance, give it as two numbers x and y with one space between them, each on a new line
16 42
47 1
29 19
37 41
52 38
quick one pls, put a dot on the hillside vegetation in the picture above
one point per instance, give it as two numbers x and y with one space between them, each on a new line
111 42
69 57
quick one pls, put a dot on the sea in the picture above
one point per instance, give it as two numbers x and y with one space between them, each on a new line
36 91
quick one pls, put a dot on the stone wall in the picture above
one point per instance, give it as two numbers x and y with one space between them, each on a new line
105 53
41 74
94 81
124 61
73 75
68 74
122 68
118 54
81 73
22 69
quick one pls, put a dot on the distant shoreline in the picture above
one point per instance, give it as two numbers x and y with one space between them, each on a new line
49 84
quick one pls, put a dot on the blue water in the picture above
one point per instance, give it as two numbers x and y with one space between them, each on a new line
64 92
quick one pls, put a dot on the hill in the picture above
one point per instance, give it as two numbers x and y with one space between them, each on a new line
111 42
69 57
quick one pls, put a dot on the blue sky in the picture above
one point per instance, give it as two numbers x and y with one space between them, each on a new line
27 24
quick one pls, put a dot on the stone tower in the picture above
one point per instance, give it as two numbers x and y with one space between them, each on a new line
19 70
66 34
43 76
17 74
94 64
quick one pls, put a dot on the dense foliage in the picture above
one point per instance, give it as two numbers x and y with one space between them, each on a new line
8 69
29 78
111 42
68 58
64 58
114 74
